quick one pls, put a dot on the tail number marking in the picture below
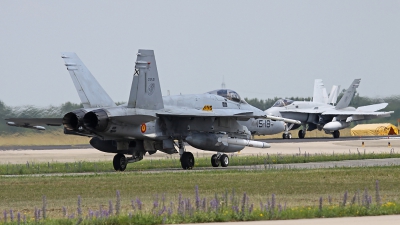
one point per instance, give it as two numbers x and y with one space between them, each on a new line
263 123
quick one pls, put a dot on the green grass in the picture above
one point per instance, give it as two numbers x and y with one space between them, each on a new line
106 166
295 188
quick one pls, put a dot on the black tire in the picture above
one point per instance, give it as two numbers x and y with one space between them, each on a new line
214 160
119 162
284 136
289 136
187 161
336 134
224 159
302 134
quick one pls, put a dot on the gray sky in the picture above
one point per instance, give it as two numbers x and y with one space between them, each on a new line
262 48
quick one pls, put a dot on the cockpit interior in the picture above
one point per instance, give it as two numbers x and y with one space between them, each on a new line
282 103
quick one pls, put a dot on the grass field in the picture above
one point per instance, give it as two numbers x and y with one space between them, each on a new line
294 188
42 138
173 162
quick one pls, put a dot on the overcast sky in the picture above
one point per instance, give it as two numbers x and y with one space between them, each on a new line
262 49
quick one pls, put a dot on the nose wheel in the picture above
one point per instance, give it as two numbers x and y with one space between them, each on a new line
287 136
120 162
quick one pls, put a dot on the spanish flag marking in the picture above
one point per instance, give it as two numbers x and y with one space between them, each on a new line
143 128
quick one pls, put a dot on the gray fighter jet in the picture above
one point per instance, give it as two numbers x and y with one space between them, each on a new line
219 120
322 116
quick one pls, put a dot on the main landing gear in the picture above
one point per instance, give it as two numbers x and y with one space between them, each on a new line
218 159
120 161
302 134
336 134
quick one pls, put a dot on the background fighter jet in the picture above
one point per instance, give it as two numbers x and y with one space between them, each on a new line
219 120
319 96
322 116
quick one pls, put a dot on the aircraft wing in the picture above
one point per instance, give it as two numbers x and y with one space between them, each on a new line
350 113
34 123
236 113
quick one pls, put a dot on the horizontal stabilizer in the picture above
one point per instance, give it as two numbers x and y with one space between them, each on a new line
34 123
372 108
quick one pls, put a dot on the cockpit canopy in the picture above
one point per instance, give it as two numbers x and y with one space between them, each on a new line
282 102
228 94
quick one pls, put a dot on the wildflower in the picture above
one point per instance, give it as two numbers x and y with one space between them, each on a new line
118 203
261 215
377 195
11 215
64 211
320 203
110 208
79 209
344 199
133 204
139 203
197 197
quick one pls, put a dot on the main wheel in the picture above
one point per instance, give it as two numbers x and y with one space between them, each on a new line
224 159
214 160
302 133
336 134
187 161
289 136
119 162
284 136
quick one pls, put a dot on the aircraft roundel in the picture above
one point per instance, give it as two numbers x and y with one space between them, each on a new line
143 128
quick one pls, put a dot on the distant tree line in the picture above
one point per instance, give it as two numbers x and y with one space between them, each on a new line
51 111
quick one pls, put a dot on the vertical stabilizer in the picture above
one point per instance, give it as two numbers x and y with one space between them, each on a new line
320 95
90 92
348 95
334 95
145 90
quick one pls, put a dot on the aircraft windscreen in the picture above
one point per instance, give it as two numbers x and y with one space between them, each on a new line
282 102
228 94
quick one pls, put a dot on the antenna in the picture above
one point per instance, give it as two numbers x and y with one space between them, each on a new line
223 82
